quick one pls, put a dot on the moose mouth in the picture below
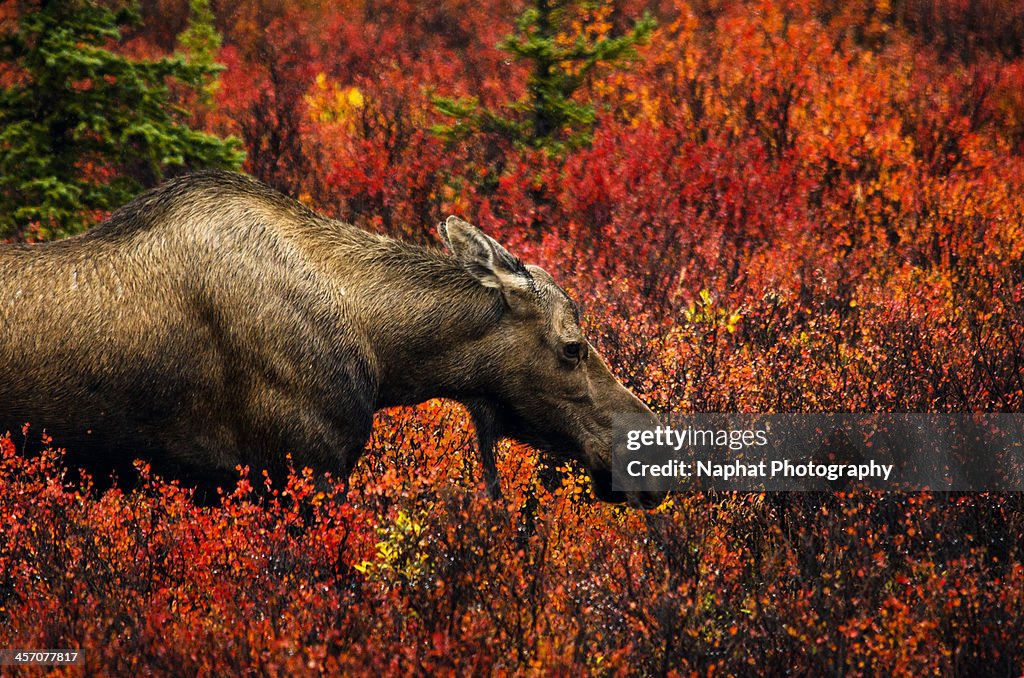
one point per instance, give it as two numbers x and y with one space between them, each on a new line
562 445
603 490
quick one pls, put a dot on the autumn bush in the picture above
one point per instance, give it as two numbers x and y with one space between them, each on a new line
786 206
426 574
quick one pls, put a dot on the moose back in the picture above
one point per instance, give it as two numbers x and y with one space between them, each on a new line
213 322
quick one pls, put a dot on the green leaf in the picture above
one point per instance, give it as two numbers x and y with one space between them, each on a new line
88 127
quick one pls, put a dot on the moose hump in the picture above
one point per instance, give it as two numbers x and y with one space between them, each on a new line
213 322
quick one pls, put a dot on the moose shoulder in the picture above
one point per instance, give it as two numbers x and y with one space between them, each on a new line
214 322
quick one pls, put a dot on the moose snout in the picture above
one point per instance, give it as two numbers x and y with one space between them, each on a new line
633 411
604 490
646 499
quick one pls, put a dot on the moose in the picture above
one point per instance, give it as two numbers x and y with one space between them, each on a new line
214 322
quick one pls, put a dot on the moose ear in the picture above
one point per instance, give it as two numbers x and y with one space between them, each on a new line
482 256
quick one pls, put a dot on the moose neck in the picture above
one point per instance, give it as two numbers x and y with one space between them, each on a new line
428 321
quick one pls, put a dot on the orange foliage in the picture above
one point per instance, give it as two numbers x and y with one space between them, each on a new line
787 206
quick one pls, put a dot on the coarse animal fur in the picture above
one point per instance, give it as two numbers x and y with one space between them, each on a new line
213 322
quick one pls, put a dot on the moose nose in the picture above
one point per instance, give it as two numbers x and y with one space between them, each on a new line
645 499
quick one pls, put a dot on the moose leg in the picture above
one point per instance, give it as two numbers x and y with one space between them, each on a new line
485 421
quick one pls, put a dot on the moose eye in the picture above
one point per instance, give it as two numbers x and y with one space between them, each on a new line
572 351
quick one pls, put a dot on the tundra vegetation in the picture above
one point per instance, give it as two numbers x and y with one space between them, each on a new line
778 207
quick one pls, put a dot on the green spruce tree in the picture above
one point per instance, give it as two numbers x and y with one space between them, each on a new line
200 43
550 116
85 128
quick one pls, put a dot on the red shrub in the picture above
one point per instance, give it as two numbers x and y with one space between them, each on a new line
787 206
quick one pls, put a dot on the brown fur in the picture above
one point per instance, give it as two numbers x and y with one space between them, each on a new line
213 322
